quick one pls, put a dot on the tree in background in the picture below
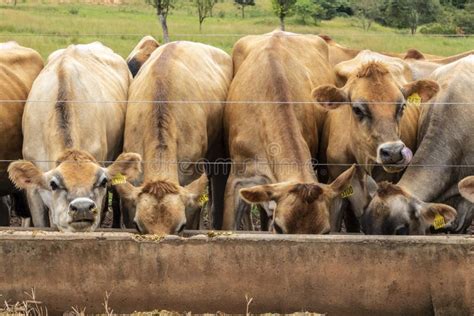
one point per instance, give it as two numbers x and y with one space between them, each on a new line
367 11
307 8
282 9
162 8
242 4
204 8
411 13
333 8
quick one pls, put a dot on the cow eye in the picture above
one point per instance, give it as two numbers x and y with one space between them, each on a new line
358 112
104 183
402 230
54 186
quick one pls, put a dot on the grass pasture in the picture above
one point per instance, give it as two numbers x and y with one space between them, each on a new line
47 26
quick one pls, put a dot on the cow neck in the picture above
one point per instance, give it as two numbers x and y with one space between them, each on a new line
423 182
287 152
161 163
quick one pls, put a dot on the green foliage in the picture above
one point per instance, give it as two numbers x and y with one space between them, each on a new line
74 11
307 8
438 28
367 11
242 4
333 8
411 13
283 8
204 9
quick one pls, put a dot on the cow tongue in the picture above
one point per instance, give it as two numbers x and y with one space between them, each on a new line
407 155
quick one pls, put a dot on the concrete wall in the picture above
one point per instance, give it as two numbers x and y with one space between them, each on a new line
338 275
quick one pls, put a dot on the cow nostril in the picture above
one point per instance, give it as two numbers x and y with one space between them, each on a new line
73 208
384 153
91 207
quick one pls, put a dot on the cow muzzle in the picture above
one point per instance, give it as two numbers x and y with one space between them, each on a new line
83 212
394 156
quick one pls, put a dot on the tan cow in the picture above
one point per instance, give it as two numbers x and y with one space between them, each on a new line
73 120
445 155
175 138
339 53
19 66
466 188
141 53
369 122
271 137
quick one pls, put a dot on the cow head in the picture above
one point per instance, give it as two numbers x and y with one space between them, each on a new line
160 204
75 190
393 211
301 208
377 102
466 188
141 53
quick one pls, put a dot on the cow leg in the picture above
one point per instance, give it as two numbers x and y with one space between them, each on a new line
228 220
218 175
264 219
247 223
26 222
128 213
337 210
193 216
4 211
39 215
350 220
116 219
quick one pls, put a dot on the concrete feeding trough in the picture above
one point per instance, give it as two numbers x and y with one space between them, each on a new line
333 274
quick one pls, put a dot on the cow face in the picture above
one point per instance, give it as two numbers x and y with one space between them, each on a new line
466 188
377 104
301 208
160 205
75 190
141 53
393 211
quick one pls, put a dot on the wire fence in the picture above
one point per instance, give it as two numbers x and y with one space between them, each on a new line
257 161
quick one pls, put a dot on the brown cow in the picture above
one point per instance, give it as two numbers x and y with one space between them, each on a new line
446 152
271 144
74 117
141 53
172 136
377 127
339 53
19 66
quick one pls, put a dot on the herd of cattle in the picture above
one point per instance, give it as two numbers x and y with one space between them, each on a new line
313 134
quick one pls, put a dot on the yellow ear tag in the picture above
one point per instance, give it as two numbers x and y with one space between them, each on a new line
119 179
438 221
347 192
203 198
414 99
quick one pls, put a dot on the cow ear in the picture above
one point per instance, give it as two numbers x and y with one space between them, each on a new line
127 191
414 54
371 186
193 191
431 210
343 181
426 89
259 194
466 188
329 96
127 164
25 175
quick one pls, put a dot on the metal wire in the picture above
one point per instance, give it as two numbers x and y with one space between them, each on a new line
222 102
249 162
233 35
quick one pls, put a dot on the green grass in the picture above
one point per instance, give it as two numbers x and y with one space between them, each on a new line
120 27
